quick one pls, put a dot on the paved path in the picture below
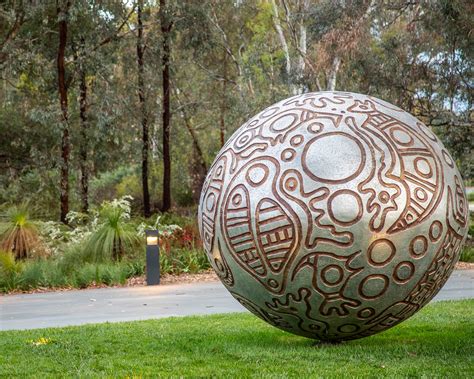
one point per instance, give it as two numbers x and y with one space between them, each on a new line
139 303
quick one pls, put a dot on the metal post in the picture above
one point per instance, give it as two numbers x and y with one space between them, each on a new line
152 258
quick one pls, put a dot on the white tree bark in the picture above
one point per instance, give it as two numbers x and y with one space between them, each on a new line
336 62
281 36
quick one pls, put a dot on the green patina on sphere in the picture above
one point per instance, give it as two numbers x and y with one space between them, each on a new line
333 215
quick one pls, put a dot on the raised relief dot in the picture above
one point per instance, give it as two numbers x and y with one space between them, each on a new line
315 127
384 197
291 184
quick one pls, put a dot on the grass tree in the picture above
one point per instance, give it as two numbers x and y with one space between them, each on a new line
18 233
114 235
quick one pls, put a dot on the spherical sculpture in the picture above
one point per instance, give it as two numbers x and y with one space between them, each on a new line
333 215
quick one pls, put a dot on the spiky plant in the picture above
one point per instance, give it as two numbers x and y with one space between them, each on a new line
114 236
18 234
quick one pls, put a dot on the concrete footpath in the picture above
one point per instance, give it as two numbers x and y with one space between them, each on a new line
53 309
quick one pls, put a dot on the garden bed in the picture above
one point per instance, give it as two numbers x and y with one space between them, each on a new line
167 279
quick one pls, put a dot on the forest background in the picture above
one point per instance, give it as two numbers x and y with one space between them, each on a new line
131 100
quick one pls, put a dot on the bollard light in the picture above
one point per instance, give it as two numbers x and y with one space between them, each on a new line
152 258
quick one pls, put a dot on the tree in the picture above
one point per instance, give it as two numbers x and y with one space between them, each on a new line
143 111
166 26
62 13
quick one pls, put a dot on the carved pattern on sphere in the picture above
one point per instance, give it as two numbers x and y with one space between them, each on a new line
333 215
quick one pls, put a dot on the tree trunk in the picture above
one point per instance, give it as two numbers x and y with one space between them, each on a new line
165 31
333 73
84 139
281 36
143 110
62 89
223 102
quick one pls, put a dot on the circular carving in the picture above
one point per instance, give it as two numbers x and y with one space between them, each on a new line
296 140
257 174
423 168
288 154
401 137
333 158
421 194
381 252
345 207
373 286
436 229
348 328
332 275
418 246
333 215
210 202
404 271
448 159
366 313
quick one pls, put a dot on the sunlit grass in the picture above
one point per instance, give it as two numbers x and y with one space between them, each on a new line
436 342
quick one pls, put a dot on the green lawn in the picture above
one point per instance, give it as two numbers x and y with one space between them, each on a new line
437 342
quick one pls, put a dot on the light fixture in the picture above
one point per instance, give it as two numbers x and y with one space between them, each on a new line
152 258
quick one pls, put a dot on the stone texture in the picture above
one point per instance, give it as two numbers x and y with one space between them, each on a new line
333 215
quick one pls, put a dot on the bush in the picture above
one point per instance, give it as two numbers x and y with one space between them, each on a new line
467 254
180 261
9 271
470 197
19 234
86 275
115 236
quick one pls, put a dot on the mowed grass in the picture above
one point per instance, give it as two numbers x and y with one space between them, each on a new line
436 342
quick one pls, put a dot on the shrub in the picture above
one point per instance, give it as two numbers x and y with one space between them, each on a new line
115 235
467 254
86 275
19 235
33 275
470 196
181 261
9 271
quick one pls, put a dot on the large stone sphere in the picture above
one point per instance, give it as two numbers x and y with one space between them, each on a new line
333 215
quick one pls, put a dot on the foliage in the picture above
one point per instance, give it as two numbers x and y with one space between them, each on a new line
19 234
9 271
436 342
467 254
470 196
180 261
113 236
417 55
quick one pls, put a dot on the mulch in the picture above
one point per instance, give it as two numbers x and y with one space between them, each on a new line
206 276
